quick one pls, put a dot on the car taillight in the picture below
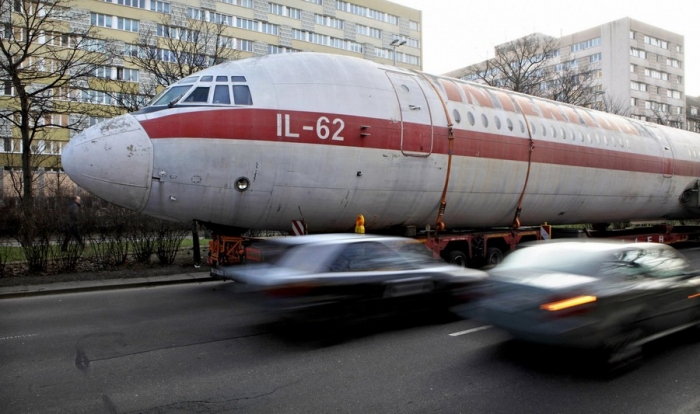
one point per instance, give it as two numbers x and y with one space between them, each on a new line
568 303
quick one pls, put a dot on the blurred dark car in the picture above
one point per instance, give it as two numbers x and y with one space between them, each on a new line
331 276
610 297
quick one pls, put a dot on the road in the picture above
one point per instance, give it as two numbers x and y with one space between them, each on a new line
197 348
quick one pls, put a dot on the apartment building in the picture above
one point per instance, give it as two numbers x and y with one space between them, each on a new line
377 30
636 66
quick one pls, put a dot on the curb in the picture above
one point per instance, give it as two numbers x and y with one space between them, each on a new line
23 291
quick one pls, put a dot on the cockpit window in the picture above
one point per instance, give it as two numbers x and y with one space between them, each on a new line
221 94
200 95
241 95
206 79
171 95
237 78
191 79
222 78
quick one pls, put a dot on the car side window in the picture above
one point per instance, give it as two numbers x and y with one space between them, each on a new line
367 257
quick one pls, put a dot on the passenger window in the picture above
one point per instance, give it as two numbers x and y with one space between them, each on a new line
199 95
221 95
367 257
237 78
206 79
222 78
241 95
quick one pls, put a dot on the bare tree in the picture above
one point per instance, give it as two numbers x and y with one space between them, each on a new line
47 53
522 65
165 53
171 52
662 116
612 104
571 84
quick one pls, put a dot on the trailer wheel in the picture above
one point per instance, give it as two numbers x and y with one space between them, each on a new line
494 256
458 258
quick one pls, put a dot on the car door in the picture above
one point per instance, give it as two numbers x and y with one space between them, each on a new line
668 292
373 270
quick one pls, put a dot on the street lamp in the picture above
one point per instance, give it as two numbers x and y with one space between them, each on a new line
396 43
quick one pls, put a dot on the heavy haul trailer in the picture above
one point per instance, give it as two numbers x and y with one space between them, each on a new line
468 248
477 248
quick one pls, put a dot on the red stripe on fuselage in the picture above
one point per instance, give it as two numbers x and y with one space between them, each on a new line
310 128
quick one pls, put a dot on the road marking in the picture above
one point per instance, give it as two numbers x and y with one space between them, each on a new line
18 336
468 331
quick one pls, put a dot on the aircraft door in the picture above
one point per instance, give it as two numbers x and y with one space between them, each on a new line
416 120
665 149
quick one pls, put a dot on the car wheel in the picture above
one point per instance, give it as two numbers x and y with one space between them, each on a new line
458 258
494 256
694 331
622 349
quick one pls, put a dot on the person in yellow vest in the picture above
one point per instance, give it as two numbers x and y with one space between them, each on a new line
360 224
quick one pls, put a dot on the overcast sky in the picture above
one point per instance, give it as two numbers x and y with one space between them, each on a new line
457 33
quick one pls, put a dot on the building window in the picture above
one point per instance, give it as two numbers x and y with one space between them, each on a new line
282 10
129 25
274 49
8 89
414 25
642 54
633 35
586 44
246 24
638 86
633 68
220 18
244 45
596 57
366 12
329 21
140 4
655 42
633 101
160 6
674 63
102 20
269 28
195 14
368 31
242 3
673 94
8 145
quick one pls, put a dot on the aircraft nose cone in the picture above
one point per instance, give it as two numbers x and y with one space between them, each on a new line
113 160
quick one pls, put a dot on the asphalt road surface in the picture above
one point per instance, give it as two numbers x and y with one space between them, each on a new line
198 349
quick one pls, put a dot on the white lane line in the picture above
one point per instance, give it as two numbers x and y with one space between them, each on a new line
18 337
468 331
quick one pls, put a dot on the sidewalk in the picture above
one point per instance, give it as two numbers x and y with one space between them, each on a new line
95 285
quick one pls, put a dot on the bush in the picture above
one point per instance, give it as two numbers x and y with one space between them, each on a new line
111 232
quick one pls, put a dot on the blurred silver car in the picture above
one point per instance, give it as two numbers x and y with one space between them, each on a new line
322 277
606 296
